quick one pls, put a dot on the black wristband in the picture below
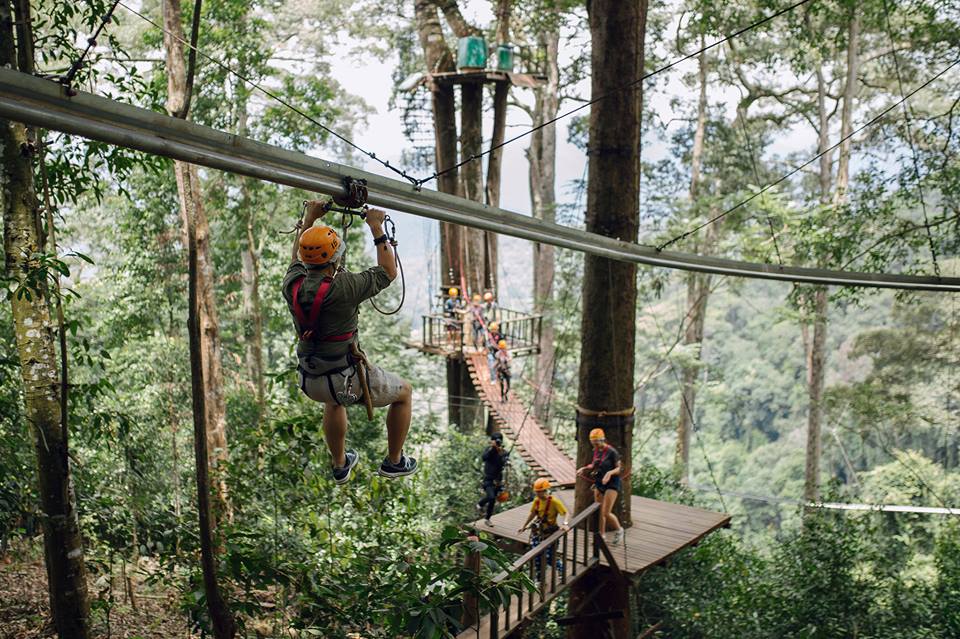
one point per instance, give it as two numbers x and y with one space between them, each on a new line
380 240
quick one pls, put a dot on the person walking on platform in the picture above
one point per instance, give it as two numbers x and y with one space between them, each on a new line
477 321
324 301
604 470
495 459
544 512
503 370
491 311
493 341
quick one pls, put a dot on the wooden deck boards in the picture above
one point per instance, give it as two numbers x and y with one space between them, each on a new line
660 529
518 423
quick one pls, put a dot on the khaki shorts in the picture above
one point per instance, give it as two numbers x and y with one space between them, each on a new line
345 388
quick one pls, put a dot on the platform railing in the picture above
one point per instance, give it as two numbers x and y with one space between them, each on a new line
571 554
452 334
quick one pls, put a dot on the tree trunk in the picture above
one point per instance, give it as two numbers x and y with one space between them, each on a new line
252 314
34 332
191 212
850 92
698 289
494 170
835 192
250 275
816 360
542 156
209 427
608 328
495 161
471 144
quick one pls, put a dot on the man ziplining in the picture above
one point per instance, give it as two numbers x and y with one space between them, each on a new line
324 300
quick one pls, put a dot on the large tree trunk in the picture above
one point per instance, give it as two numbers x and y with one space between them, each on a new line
191 212
608 328
34 331
698 289
495 161
209 415
542 156
471 144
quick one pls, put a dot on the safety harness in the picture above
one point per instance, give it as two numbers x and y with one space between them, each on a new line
308 323
540 525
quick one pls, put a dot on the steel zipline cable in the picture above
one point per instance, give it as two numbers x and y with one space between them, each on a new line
874 120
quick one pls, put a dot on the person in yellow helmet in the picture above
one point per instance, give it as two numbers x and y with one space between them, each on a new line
545 510
604 470
452 306
503 369
493 338
324 301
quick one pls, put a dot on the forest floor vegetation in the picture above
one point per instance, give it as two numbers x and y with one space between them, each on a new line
24 604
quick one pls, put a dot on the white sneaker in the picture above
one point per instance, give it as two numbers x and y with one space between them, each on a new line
617 537
488 522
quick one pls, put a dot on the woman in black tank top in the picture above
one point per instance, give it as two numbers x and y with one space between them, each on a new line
604 469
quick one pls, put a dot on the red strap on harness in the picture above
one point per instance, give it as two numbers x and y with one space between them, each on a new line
308 323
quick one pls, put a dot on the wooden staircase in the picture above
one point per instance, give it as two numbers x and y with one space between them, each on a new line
535 445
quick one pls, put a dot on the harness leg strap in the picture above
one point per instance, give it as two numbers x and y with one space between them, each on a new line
362 365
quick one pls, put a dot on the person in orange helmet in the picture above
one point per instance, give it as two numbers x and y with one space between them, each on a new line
604 470
324 301
545 510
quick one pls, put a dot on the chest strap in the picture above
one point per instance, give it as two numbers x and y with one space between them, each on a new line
308 323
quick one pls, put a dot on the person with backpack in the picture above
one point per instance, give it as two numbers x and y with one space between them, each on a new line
544 512
503 369
495 459
604 471
324 300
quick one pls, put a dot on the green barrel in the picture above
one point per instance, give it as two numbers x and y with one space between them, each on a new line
472 53
505 58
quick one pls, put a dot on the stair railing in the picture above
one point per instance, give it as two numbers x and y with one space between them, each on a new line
570 553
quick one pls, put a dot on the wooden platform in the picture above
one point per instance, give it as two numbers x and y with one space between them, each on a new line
660 530
518 424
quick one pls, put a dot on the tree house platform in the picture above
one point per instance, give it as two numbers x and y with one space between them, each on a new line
660 530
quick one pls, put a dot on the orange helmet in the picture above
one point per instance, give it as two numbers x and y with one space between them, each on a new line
488 297
494 326
453 292
320 245
502 344
597 434
541 484
476 297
